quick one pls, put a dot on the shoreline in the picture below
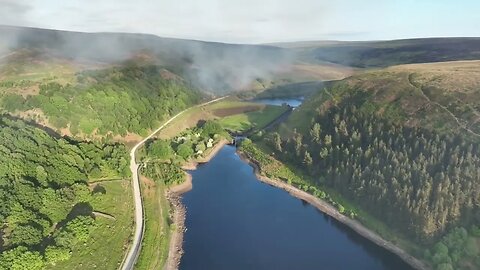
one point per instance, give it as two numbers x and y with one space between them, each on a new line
192 165
174 197
331 211
179 212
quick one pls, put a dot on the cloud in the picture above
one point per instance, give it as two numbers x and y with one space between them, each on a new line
14 12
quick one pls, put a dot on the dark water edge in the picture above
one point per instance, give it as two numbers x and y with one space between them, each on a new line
235 221
292 102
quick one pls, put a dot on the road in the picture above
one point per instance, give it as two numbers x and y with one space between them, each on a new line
134 251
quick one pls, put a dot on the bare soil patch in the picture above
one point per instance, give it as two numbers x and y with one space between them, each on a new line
235 110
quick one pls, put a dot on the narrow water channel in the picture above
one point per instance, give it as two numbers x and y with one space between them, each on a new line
235 222
292 102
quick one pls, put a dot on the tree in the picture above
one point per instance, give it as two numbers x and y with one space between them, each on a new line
13 102
55 206
328 140
26 235
211 128
185 150
315 133
20 258
64 239
160 149
80 227
307 159
323 153
277 142
41 175
440 254
200 147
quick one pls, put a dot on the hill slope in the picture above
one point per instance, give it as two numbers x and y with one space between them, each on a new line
401 144
443 97
114 101
209 65
388 53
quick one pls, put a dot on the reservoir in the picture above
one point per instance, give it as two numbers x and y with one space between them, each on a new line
234 221
292 102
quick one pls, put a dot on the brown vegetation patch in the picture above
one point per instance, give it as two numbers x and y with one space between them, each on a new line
167 75
236 110
149 186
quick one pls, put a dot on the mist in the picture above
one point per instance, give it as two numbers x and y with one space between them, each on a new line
210 66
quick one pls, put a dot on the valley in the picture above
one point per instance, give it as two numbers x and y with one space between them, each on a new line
116 157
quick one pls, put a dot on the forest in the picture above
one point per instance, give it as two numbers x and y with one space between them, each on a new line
113 101
46 200
418 182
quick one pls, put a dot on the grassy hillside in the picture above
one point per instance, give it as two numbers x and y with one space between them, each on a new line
401 145
216 67
388 53
109 102
443 97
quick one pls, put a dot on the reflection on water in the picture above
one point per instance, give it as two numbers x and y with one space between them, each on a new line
236 222
293 102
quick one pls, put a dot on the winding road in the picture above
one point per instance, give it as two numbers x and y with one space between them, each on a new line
132 255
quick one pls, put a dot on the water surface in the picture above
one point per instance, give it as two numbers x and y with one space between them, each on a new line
293 102
236 222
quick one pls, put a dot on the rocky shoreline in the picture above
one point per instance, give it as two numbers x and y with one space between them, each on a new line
179 213
175 250
328 209
174 196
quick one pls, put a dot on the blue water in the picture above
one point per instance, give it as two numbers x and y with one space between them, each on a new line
235 222
293 102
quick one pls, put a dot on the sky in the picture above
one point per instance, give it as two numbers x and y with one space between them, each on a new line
253 21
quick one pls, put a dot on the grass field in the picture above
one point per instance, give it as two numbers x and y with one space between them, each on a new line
114 234
157 230
223 108
252 120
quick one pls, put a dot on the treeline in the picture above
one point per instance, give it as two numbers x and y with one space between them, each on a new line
417 182
113 101
275 169
459 249
45 198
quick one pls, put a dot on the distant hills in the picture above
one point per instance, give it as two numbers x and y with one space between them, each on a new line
220 67
32 59
387 53
213 66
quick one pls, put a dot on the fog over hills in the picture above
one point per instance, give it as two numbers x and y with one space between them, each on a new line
219 67
211 65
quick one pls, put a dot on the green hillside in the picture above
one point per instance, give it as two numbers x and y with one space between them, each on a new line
400 144
114 101
441 97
